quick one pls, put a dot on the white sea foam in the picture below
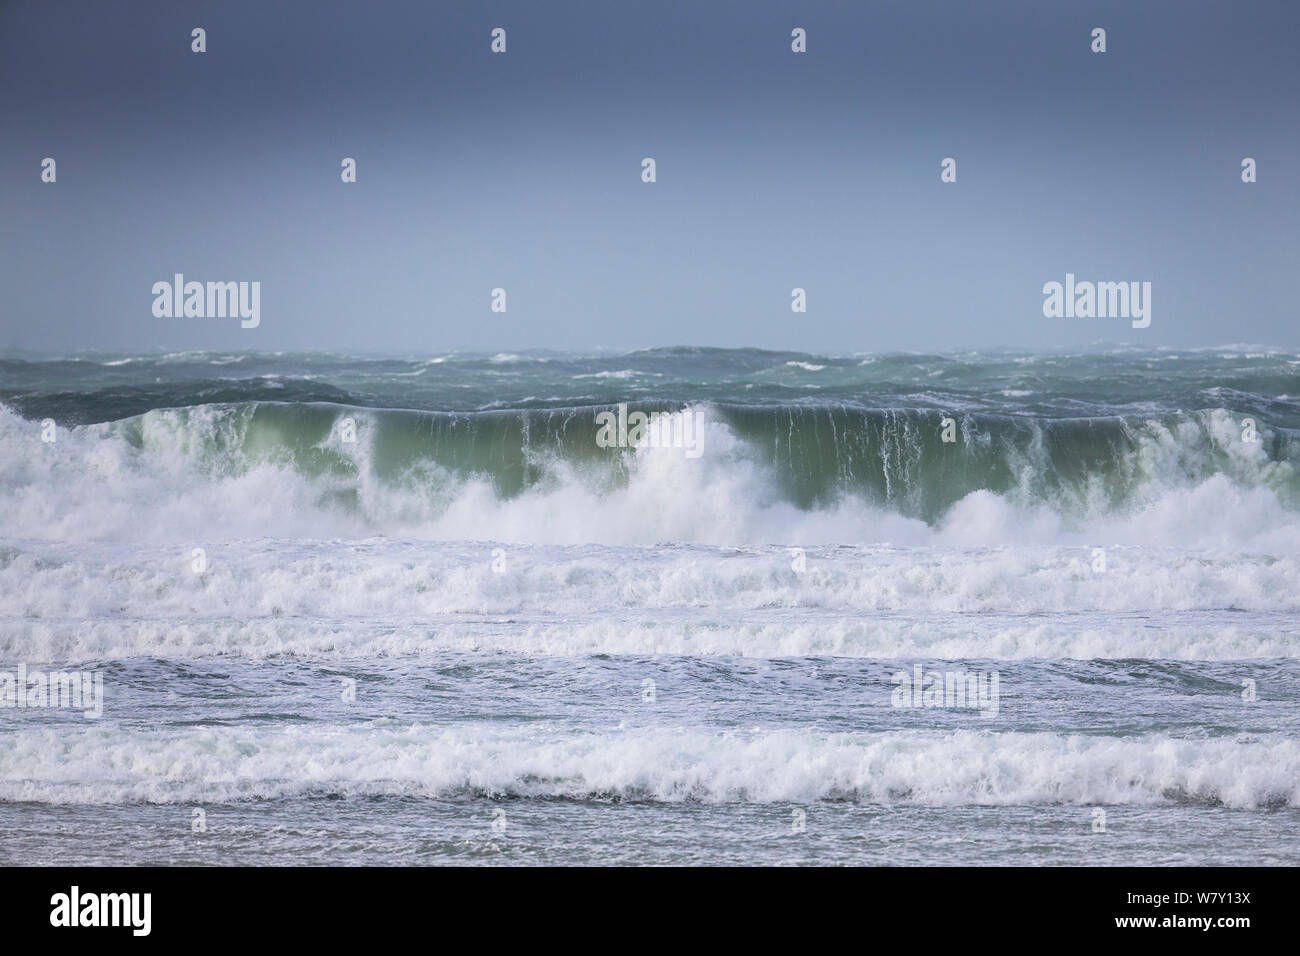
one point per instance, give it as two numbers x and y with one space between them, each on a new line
112 765
94 484
797 633
624 373
409 578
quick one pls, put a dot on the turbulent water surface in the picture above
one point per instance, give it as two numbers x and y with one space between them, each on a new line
563 652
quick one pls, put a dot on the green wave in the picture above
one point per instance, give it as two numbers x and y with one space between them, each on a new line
813 455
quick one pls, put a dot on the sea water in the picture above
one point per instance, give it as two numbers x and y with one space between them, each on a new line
409 609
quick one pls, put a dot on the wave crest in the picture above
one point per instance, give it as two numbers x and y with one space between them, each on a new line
798 475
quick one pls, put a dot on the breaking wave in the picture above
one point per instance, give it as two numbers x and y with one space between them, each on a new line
108 765
801 475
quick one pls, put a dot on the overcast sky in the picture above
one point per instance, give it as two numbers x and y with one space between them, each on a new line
523 170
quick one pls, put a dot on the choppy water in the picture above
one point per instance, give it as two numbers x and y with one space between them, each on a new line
563 652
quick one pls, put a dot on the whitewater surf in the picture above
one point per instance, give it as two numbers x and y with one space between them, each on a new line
423 589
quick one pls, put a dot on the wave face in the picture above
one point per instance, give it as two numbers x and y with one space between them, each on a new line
787 475
1204 467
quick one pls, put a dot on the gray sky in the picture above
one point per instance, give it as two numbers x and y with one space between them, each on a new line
522 170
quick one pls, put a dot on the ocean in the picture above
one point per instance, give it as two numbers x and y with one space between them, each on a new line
896 609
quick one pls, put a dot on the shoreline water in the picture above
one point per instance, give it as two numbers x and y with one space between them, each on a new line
473 634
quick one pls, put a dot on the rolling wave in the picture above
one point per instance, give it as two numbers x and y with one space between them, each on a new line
784 474
109 765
